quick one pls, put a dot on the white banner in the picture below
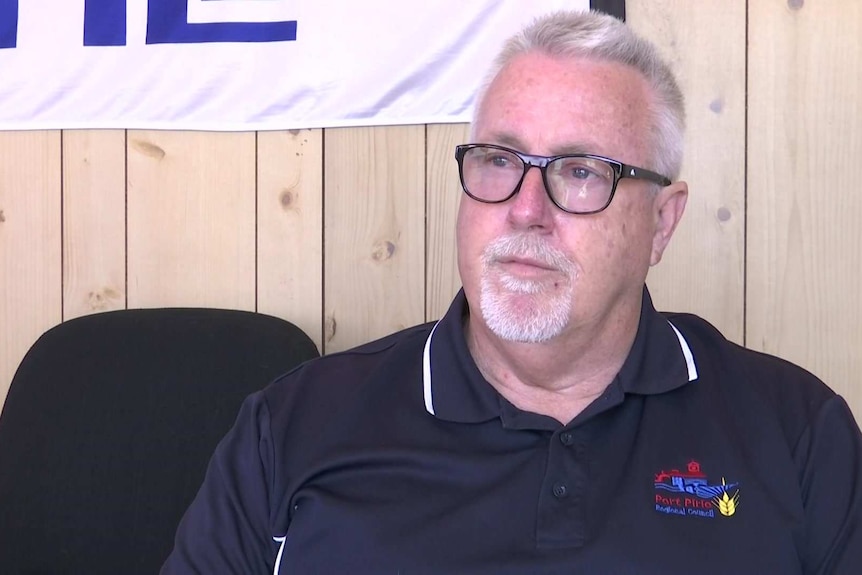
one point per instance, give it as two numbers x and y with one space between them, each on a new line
248 64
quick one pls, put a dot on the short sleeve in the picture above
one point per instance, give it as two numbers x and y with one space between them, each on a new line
829 456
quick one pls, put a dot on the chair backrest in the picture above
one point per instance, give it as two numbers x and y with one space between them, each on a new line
109 424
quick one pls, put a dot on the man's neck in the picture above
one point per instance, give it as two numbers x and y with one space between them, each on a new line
561 377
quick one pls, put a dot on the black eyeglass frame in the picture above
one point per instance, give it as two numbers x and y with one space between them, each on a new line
620 169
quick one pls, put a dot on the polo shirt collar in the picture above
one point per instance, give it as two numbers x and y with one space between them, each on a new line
455 390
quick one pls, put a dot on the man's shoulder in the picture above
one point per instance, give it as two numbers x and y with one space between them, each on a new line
400 344
721 353
756 377
400 351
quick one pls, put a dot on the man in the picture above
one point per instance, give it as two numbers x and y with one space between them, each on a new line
552 421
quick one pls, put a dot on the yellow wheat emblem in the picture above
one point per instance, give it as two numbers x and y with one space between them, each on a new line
725 504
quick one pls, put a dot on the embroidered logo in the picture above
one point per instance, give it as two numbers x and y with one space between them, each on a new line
690 493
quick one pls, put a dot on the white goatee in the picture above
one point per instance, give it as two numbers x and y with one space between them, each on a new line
523 309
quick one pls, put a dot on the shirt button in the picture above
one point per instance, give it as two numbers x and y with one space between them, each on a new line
560 490
566 438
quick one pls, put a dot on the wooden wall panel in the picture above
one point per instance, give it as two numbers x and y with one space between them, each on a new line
30 257
290 220
374 240
94 221
443 197
191 219
703 269
804 148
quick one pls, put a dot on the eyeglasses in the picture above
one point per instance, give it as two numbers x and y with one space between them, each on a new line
576 183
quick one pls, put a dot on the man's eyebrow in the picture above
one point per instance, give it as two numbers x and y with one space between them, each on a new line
574 149
508 140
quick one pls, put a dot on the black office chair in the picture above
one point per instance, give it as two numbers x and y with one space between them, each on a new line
108 427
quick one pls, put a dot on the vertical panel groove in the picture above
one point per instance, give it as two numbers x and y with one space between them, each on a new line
126 219
62 226
745 192
323 243
256 221
425 227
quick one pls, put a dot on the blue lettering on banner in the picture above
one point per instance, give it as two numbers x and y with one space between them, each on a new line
167 24
104 22
8 23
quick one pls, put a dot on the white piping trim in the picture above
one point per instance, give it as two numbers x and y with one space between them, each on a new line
686 351
281 540
426 372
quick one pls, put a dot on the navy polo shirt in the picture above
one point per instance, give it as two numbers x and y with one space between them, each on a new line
397 457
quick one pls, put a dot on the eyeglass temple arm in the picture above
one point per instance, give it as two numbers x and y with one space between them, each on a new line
644 174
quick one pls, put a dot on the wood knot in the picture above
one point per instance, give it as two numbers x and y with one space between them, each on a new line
2 217
795 4
723 214
287 199
717 105
149 149
329 327
383 250
101 300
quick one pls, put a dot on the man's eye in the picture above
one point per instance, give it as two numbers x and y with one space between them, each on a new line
582 170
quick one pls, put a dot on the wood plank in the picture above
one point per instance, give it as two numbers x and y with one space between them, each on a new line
804 143
30 244
289 231
703 269
191 223
94 221
374 218
444 196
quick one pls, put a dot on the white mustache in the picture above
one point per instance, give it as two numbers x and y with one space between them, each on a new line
529 246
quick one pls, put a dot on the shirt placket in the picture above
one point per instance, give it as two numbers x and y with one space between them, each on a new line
561 520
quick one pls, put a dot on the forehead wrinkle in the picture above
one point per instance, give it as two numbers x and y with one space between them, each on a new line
511 140
508 139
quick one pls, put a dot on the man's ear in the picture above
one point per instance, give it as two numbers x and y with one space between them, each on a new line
668 206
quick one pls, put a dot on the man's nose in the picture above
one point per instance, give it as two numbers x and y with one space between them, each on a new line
531 207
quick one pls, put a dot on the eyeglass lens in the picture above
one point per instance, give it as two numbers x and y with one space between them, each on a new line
576 184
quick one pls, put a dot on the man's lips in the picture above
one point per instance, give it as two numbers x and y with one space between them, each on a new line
528 265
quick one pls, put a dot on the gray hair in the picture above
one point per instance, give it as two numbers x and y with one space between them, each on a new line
602 37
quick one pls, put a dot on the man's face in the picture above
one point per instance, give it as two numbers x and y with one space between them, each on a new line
530 269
